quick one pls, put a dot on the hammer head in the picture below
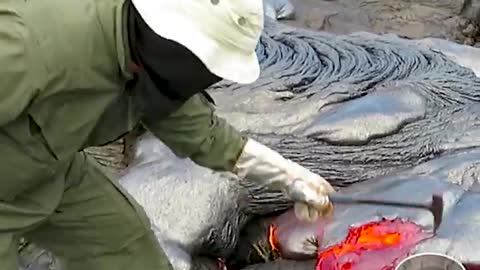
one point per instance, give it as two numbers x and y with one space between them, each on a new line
436 207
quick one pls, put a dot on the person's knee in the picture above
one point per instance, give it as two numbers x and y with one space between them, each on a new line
95 217
142 253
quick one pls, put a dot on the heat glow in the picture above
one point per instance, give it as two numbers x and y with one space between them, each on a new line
377 245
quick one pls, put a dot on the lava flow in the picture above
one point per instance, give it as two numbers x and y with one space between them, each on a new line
272 238
377 245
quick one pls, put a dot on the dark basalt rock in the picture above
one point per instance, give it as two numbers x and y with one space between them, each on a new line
447 19
353 107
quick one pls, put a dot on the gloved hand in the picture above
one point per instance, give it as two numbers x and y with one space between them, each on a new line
309 191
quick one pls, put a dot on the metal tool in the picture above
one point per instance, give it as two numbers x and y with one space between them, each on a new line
430 261
435 206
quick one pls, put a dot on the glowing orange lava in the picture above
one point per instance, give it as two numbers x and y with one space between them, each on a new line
272 239
373 246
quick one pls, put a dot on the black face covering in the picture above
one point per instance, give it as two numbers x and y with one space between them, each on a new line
171 74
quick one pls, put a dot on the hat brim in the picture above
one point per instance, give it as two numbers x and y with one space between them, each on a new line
222 60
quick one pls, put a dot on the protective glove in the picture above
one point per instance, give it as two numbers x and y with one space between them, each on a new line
309 191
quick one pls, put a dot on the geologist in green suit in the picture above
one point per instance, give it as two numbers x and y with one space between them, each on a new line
76 74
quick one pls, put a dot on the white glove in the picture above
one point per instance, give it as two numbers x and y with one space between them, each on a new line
260 164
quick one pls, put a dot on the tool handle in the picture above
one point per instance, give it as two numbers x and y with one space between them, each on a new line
346 199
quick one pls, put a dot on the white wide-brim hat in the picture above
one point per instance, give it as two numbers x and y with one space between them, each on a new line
223 34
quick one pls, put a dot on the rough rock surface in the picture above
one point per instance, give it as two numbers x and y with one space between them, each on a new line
456 20
352 107
194 211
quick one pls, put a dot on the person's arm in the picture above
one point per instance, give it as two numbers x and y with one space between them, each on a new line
194 131
178 70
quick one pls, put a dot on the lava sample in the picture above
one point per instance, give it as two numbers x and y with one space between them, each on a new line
378 245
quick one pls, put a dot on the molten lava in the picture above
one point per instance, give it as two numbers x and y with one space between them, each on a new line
272 238
374 246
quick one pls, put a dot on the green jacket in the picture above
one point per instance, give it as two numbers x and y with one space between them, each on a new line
65 86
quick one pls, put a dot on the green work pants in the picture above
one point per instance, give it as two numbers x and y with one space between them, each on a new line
84 218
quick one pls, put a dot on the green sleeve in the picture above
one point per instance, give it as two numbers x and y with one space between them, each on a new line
194 131
18 71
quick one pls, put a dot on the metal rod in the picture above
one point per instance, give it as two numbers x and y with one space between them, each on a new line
343 199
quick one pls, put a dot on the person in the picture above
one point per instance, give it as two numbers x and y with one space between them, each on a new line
77 74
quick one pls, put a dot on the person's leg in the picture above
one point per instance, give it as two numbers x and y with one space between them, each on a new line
97 226
24 213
